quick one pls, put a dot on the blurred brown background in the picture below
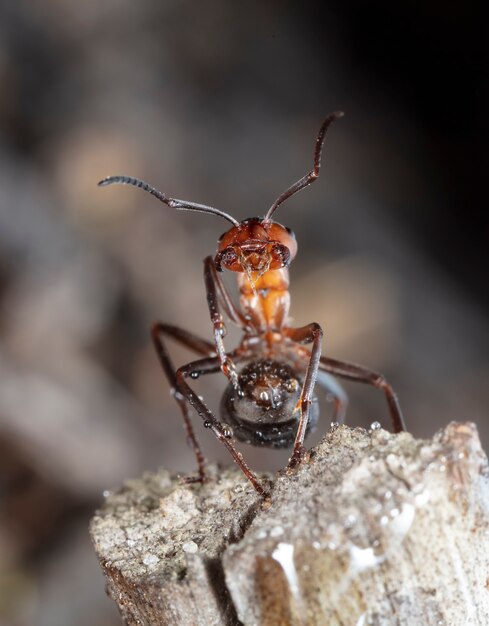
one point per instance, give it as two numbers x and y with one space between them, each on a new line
219 103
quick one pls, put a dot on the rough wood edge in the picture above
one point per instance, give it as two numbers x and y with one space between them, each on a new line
376 529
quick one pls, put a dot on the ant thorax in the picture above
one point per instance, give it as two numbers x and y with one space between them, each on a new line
263 409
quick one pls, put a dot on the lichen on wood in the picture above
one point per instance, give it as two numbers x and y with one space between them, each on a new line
376 529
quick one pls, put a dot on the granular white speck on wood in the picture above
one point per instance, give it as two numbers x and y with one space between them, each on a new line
376 529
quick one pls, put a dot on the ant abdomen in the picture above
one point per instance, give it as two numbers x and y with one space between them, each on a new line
264 408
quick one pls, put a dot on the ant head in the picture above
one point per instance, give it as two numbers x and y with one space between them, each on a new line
256 245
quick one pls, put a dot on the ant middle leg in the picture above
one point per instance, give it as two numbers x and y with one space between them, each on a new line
312 333
207 366
350 371
201 346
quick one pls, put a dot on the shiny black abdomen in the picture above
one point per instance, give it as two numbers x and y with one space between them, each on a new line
264 409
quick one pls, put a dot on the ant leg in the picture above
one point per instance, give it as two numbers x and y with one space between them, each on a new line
349 371
337 393
195 369
201 346
230 308
218 295
307 334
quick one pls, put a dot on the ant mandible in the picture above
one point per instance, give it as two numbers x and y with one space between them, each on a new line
269 399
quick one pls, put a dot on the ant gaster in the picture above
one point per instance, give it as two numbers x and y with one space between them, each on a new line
269 400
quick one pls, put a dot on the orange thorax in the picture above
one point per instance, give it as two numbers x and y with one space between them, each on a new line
265 299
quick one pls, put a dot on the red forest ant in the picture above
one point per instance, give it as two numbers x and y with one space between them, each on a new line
269 399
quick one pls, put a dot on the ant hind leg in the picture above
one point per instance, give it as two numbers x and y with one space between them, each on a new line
201 346
335 393
349 371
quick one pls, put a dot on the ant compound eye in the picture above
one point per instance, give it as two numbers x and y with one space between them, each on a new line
229 256
291 232
281 256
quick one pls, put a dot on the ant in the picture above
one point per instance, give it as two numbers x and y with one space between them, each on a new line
269 400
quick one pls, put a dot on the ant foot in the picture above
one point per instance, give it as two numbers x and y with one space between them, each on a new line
193 479
300 455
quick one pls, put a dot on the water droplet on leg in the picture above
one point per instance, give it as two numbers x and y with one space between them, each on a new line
227 431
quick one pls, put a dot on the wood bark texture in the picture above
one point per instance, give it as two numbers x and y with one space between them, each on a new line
376 529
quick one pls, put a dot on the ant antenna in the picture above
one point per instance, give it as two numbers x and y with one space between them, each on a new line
309 178
181 205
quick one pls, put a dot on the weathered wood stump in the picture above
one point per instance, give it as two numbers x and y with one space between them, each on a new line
377 529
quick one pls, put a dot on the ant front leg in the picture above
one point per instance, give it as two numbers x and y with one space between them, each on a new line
349 371
312 333
217 295
201 346
207 366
